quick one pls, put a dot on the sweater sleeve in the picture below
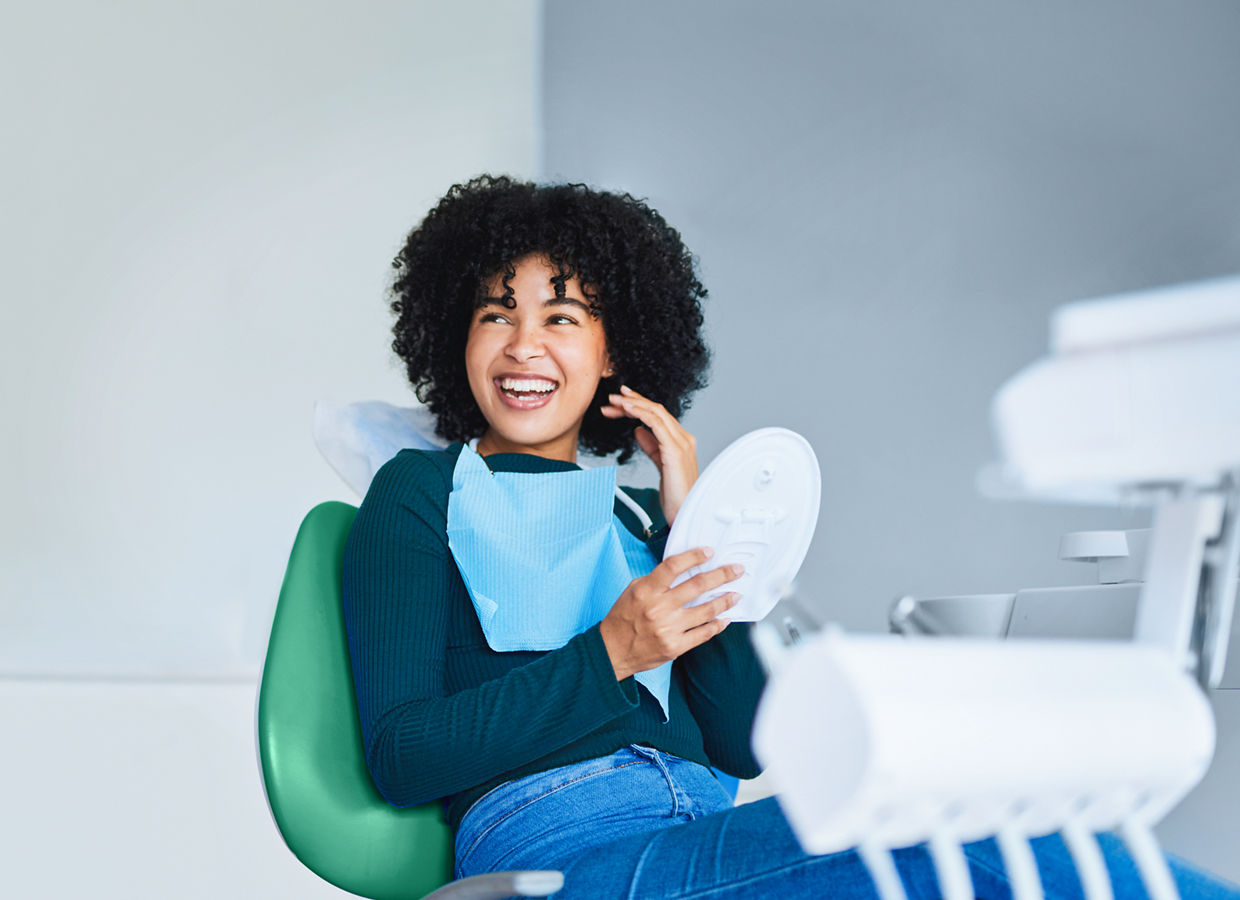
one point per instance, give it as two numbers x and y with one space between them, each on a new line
723 681
722 678
421 742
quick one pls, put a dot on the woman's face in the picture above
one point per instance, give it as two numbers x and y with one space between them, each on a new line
534 368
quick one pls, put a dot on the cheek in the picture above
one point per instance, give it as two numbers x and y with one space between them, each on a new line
593 353
588 363
477 360
475 351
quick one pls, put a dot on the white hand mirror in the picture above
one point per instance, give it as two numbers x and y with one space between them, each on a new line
755 504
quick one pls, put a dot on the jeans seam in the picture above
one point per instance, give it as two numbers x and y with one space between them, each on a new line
985 865
750 879
516 809
656 757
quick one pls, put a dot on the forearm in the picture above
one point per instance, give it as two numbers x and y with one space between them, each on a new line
437 746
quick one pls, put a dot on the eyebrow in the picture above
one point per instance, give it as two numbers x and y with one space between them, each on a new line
550 301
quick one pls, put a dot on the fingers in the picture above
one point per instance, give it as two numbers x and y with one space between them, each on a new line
662 438
708 622
650 624
675 566
708 612
686 628
649 444
704 583
679 597
651 414
627 401
665 427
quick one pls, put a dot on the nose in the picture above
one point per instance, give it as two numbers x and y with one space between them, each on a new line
525 343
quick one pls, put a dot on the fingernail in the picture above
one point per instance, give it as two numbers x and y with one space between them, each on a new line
626 389
738 569
709 552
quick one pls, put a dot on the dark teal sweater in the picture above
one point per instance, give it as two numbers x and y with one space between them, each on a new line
443 715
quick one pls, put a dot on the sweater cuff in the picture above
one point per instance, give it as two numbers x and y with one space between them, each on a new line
657 542
621 695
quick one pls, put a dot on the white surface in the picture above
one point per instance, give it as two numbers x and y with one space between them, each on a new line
755 504
894 740
1090 546
358 438
1153 412
1205 828
1097 612
201 204
1138 389
1175 312
1169 595
971 615
138 790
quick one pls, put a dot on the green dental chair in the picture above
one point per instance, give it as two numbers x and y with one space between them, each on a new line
311 757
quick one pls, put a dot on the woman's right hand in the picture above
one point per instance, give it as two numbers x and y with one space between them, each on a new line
650 624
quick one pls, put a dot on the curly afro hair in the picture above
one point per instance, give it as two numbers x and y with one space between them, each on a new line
636 272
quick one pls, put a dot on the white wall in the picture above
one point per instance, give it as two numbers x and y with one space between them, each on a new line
142 789
201 202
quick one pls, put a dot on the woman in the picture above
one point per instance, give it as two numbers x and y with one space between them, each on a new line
517 646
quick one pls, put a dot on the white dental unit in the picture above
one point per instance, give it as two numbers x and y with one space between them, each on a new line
1090 716
1136 406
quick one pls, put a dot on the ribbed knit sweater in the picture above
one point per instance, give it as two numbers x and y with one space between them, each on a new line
444 716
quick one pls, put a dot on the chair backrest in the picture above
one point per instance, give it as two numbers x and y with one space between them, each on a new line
310 742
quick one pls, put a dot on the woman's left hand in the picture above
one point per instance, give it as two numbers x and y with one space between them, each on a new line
661 437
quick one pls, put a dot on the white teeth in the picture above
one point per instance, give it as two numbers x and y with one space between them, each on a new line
527 384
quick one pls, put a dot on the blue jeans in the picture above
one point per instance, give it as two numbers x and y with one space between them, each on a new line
644 824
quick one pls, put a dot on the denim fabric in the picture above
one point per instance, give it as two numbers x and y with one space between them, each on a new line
643 824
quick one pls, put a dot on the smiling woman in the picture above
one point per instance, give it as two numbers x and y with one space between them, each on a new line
518 648
534 359
611 253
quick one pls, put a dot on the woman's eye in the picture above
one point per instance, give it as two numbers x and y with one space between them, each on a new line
491 317
561 320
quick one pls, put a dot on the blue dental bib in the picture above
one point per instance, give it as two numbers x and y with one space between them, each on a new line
542 555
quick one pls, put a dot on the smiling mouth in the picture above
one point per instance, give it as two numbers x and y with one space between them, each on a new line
525 393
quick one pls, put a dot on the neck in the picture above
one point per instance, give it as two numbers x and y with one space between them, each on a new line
563 448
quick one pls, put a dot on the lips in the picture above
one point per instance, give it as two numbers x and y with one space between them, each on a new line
525 391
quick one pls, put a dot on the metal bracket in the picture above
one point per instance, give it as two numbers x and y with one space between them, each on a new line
1220 576
1185 606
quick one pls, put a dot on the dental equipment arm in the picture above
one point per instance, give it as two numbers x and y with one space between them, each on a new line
1137 403
883 742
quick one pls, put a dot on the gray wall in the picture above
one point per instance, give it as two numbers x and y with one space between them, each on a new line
887 200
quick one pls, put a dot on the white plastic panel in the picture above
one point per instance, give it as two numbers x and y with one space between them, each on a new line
1165 412
1167 313
755 504
890 740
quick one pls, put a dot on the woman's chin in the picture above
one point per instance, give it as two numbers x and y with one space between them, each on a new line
532 438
